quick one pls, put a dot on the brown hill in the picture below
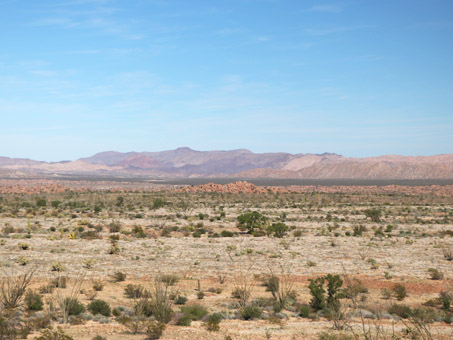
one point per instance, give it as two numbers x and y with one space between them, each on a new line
241 163
140 161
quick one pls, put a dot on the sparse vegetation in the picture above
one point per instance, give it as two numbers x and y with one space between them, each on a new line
219 275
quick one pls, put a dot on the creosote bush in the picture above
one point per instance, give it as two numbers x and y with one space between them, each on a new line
99 307
251 312
213 323
33 301
400 291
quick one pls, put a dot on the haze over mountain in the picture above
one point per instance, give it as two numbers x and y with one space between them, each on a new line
241 163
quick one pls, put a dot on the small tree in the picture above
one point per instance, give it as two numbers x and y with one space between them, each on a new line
374 214
277 229
252 222
321 301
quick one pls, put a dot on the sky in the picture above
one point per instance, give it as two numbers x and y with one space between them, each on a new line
358 78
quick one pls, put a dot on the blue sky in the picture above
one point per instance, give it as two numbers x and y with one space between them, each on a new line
359 78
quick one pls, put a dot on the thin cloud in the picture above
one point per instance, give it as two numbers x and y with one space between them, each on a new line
44 73
326 8
334 30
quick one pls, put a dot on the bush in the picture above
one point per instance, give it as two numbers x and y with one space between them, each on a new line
180 300
226 233
241 294
373 214
277 229
170 279
213 323
159 301
154 330
252 222
119 276
305 311
400 291
272 284
98 286
183 320
251 312
423 315
333 336
73 306
135 291
448 254
49 334
99 307
194 311
435 274
33 301
403 311
321 299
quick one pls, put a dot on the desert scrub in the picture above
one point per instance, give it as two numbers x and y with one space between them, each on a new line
159 301
250 312
403 311
33 301
213 322
98 285
118 277
135 291
13 287
99 307
304 311
194 311
334 336
435 274
154 330
50 334
73 306
180 300
57 267
23 246
170 279
400 291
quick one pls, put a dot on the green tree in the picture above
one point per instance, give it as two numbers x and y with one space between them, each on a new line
374 214
252 222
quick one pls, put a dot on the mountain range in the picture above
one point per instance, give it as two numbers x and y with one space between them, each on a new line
242 163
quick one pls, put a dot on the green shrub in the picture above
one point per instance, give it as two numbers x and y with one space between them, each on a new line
98 286
226 233
374 214
194 311
50 334
213 323
33 301
184 320
403 311
435 274
423 315
400 291
135 291
305 311
251 312
321 299
73 306
180 300
334 336
99 307
170 279
252 222
119 276
277 229
154 330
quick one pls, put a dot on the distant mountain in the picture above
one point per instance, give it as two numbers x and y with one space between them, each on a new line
242 163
